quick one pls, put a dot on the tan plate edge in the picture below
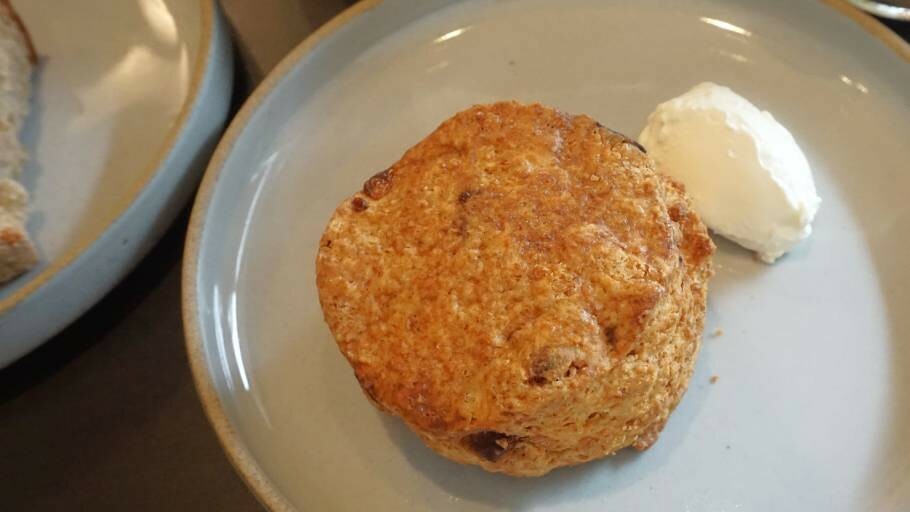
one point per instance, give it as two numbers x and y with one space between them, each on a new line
873 26
239 456
202 63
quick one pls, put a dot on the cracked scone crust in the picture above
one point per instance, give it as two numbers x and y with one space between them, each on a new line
521 288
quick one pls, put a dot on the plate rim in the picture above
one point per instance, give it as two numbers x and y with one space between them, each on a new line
72 255
242 460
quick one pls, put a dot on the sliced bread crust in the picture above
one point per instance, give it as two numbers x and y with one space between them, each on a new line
17 252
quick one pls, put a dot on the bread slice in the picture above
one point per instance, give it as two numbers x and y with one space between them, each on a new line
17 252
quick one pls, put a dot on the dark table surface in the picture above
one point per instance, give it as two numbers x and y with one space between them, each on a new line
104 416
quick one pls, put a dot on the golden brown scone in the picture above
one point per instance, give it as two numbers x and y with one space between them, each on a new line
521 288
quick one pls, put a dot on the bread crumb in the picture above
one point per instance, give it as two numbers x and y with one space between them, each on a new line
718 332
714 379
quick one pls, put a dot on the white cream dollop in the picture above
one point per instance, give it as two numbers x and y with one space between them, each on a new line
748 179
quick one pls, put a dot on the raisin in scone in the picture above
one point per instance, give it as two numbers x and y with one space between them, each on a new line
521 288
17 253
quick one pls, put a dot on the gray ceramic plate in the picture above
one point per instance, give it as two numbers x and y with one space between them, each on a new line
812 407
129 100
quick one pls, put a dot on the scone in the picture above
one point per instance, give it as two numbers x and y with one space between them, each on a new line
17 253
521 288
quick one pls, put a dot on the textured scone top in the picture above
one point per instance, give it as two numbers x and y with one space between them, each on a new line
514 254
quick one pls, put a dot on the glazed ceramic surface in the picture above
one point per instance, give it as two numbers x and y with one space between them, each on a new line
811 408
126 108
